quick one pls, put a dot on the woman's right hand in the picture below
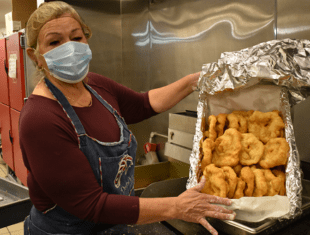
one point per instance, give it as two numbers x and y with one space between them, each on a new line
194 206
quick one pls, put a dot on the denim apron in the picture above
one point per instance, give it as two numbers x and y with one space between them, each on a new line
113 166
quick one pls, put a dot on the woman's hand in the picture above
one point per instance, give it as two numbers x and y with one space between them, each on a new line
194 206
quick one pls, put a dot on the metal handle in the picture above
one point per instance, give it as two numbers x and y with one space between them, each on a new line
171 134
11 138
6 68
22 41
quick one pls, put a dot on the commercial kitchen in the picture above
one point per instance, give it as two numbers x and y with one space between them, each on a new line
145 45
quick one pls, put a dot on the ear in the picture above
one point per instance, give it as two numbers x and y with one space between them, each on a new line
32 56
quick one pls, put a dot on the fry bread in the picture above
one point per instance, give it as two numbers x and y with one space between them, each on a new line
275 154
238 122
266 125
207 146
227 148
239 189
260 184
247 176
237 169
215 181
231 179
212 123
273 183
220 125
244 153
245 114
280 175
252 149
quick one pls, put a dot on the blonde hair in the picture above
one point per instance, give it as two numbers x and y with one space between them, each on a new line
46 12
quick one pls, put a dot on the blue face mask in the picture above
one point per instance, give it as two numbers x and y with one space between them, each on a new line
69 62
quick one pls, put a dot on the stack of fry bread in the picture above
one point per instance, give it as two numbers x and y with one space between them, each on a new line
243 154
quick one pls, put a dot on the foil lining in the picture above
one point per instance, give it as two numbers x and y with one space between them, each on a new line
293 171
280 62
284 63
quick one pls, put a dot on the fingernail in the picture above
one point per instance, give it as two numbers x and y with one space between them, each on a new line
213 232
232 217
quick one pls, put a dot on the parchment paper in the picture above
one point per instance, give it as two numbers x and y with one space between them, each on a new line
253 209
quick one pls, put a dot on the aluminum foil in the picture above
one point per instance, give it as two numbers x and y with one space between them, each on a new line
280 62
284 63
293 171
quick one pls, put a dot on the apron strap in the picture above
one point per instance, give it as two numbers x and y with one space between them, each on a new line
62 100
107 105
102 101
71 114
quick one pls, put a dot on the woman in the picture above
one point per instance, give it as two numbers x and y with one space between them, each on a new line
77 146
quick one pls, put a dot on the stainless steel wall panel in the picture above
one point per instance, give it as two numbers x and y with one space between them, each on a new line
104 19
201 30
302 129
293 21
136 60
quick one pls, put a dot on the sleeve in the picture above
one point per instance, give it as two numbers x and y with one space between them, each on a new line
134 106
139 107
62 171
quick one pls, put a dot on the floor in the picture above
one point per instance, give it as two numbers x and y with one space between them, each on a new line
15 229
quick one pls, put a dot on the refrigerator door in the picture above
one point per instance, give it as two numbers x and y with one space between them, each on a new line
15 57
6 135
4 89
20 169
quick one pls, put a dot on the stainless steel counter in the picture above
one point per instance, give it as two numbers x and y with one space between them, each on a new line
15 204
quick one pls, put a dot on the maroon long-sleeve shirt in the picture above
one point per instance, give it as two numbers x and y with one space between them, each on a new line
59 172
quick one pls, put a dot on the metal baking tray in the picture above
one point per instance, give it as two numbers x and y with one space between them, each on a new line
15 202
267 226
175 187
